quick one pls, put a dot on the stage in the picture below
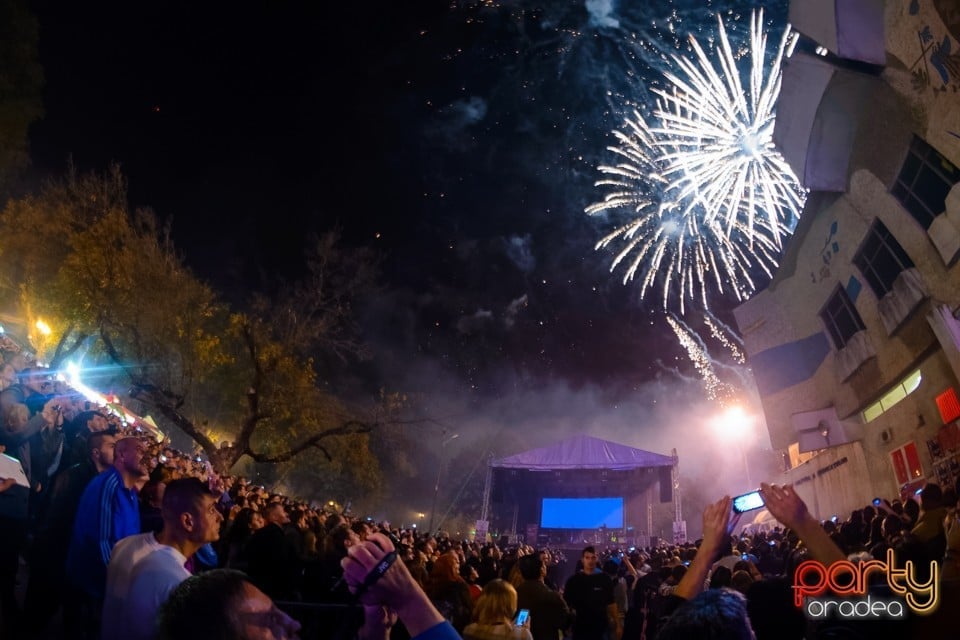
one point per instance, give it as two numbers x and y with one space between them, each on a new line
578 492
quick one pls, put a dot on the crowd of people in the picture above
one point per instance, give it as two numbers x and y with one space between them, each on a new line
126 537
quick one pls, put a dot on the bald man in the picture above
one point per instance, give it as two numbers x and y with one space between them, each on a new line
109 510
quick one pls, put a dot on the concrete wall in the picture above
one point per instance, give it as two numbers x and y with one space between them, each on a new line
835 482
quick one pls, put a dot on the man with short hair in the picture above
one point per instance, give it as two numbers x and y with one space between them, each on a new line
549 614
714 613
77 431
590 595
108 511
222 604
137 590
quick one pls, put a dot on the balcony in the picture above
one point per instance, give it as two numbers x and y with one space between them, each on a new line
944 231
858 350
907 293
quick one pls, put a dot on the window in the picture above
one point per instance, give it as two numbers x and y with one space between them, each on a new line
949 405
924 181
881 259
841 318
896 393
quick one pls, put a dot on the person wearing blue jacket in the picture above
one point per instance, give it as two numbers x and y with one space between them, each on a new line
109 511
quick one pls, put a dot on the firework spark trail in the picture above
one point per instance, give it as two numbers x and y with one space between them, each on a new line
725 336
697 352
709 158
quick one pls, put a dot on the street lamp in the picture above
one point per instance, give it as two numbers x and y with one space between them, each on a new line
436 487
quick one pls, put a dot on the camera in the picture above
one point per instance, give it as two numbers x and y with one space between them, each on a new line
876 502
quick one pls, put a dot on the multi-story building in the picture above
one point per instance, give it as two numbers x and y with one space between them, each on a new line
855 344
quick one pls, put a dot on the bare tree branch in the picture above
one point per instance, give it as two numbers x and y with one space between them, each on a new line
158 399
61 353
253 393
349 427
114 354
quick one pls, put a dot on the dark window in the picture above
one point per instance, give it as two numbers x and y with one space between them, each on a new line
924 181
881 259
841 318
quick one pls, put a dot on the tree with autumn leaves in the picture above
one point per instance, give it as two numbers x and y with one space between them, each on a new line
110 284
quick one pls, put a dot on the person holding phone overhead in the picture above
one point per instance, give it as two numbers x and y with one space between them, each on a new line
494 612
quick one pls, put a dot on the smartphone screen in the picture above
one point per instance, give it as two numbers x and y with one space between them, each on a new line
522 617
747 502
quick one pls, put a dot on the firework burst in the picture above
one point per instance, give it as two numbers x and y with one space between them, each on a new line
709 197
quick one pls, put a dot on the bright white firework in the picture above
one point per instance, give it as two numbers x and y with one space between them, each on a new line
721 154
708 158
668 244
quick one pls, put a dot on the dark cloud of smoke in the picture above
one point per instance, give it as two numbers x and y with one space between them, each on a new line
474 322
520 252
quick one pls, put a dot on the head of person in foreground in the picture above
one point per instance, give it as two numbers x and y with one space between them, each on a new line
223 605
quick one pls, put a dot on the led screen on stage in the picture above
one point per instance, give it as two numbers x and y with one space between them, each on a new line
581 513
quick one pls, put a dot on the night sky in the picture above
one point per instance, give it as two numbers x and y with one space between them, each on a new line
460 139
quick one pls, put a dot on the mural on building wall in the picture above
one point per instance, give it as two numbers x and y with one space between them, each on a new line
938 65
829 250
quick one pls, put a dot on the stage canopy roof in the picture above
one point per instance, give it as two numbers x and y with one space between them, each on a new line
584 452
